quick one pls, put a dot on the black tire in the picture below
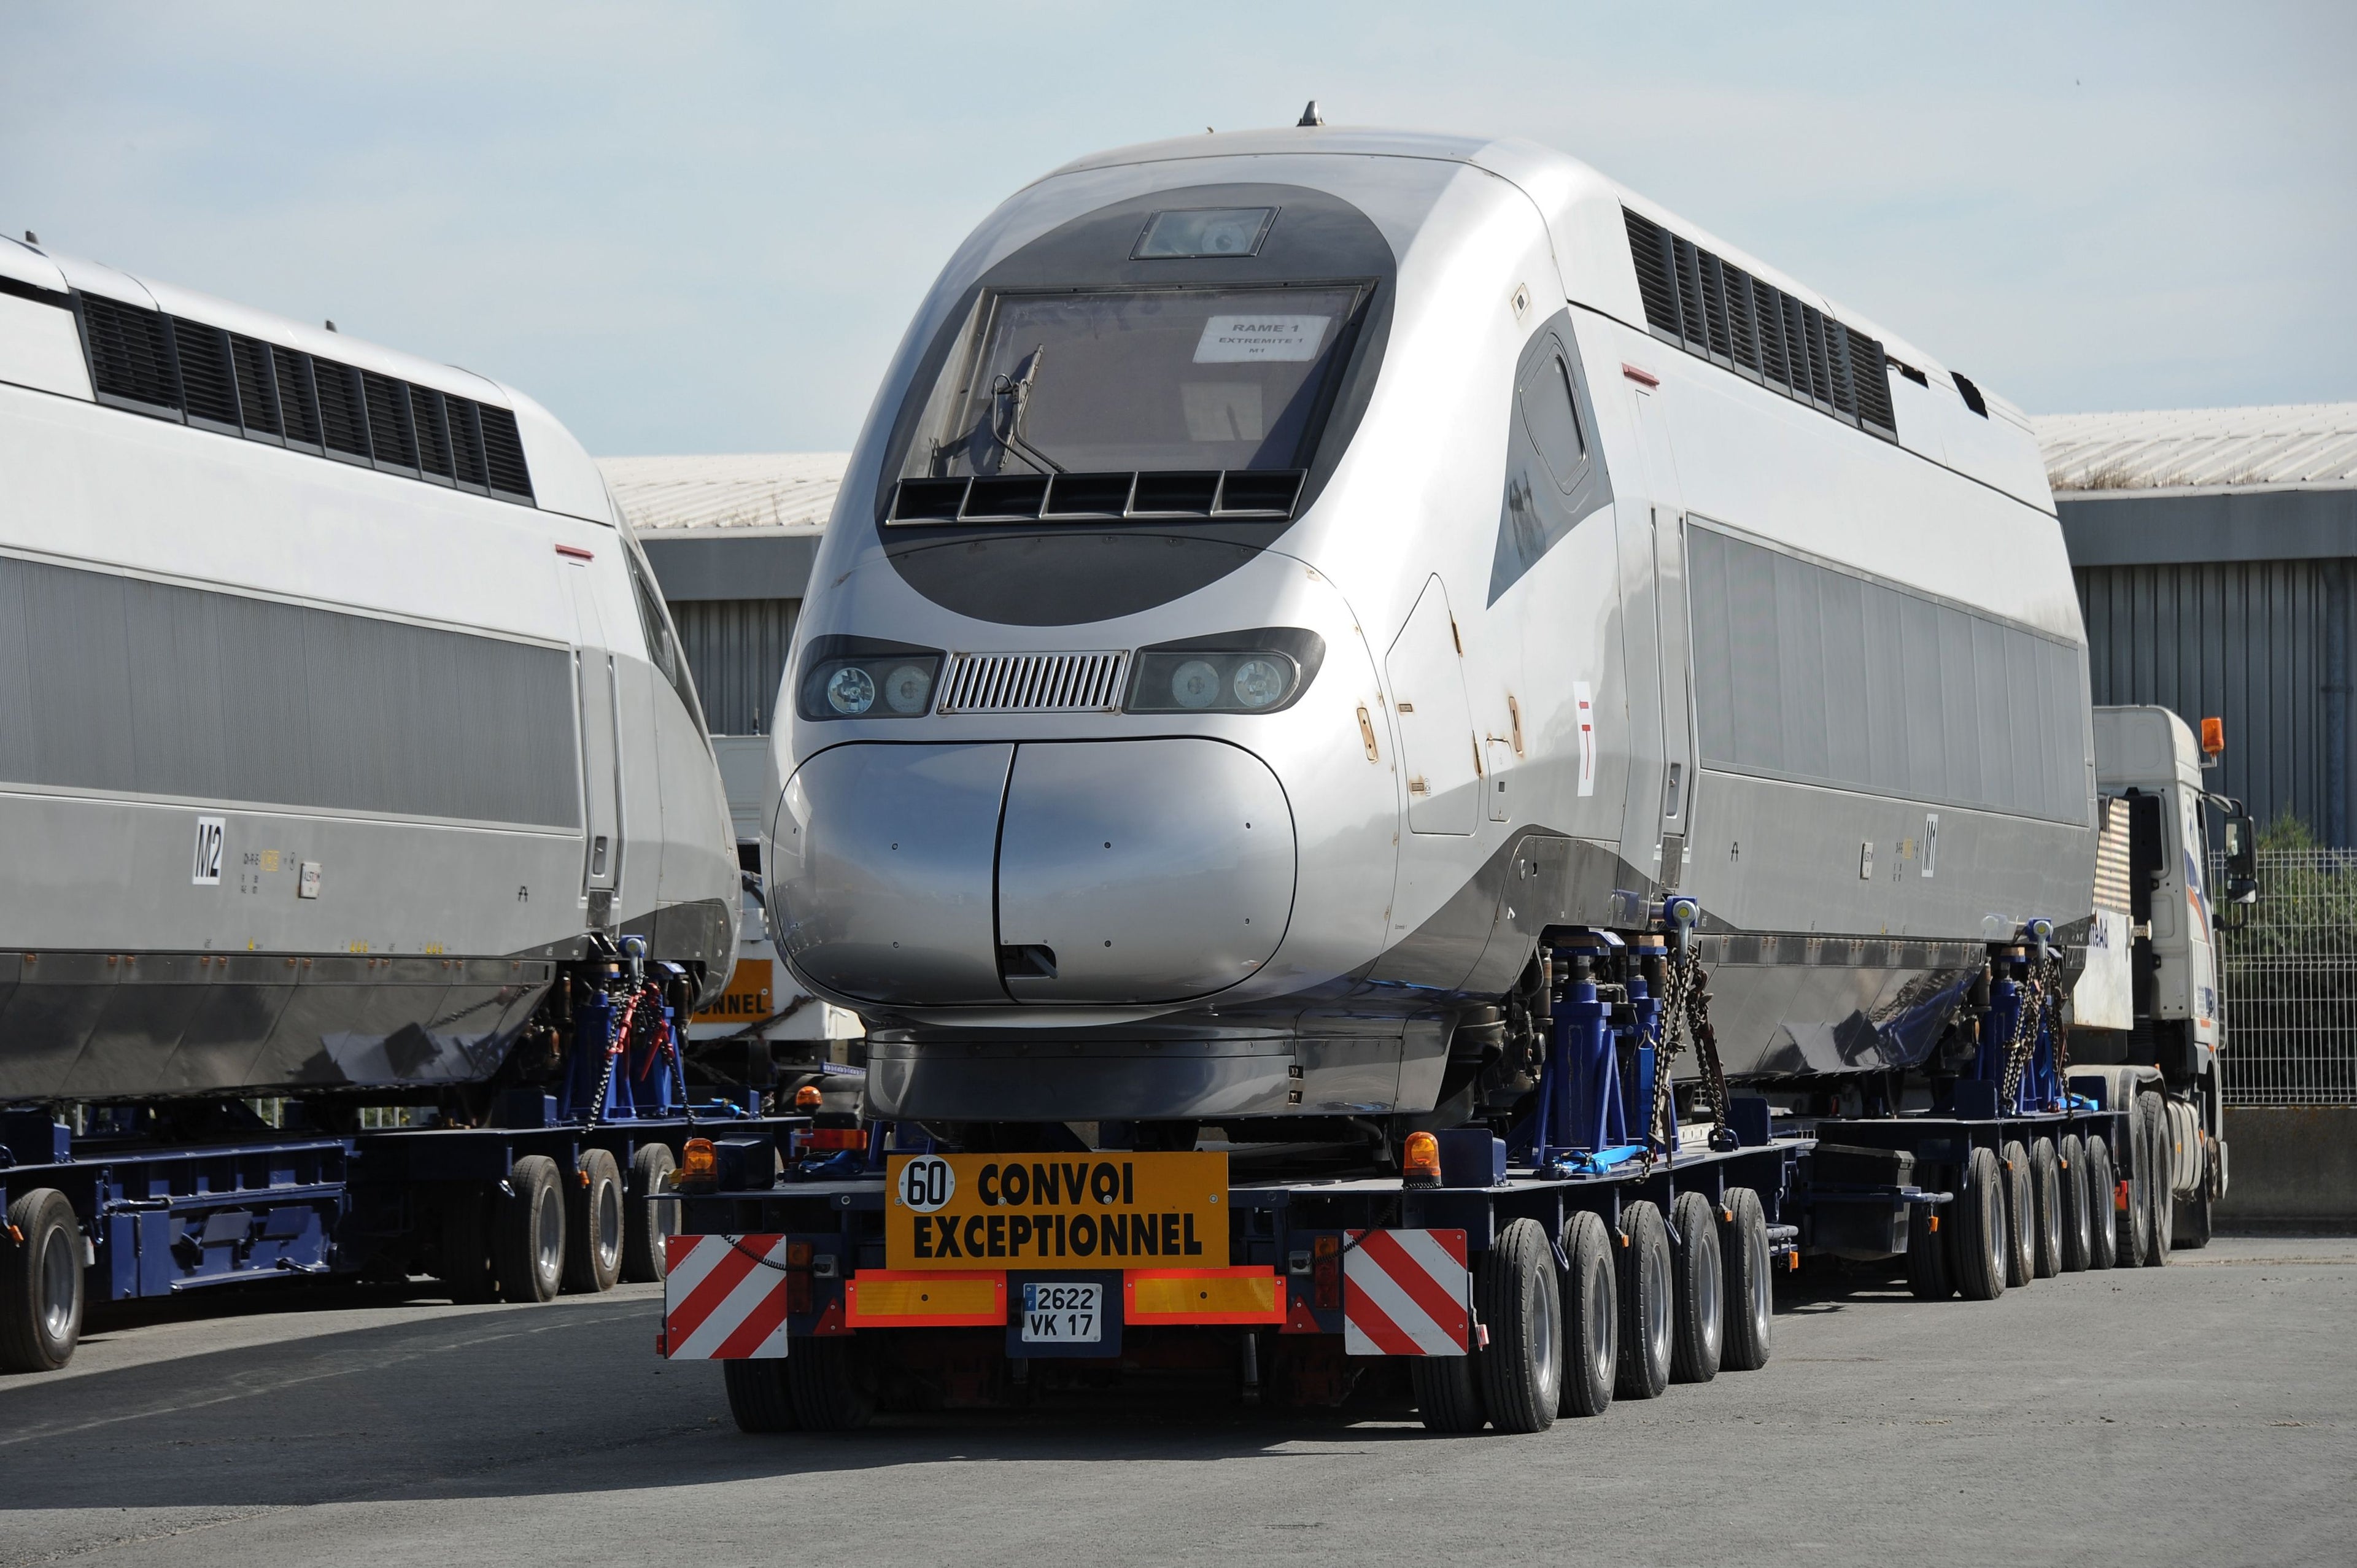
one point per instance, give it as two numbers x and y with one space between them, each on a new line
1646 1303
1698 1279
1976 1239
2133 1216
2159 1188
2070 1156
831 1390
40 1284
1928 1274
1447 1392
2020 1239
2103 1231
1750 1281
1522 1366
1591 1317
2046 1208
528 1231
593 1224
465 1260
757 1397
647 1221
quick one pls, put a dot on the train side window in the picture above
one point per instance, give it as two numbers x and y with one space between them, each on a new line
662 645
1551 413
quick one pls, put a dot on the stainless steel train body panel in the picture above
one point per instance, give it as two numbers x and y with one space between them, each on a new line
370 683
1540 754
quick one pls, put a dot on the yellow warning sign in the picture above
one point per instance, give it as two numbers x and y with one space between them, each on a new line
1110 1209
747 1000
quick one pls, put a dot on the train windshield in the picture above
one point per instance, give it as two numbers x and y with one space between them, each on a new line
1162 379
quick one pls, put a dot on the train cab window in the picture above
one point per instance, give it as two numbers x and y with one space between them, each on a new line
662 645
1551 413
1126 380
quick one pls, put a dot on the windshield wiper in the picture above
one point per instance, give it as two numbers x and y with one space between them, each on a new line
1011 399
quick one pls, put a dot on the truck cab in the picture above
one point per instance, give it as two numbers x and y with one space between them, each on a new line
2151 995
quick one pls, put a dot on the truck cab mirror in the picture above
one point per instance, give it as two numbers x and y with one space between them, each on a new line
2242 859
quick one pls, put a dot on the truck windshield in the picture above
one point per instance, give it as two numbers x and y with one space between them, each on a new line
1164 379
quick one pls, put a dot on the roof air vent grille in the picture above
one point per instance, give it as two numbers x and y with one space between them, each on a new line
1713 308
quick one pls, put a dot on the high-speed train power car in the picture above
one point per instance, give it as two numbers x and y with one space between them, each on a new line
1285 574
339 715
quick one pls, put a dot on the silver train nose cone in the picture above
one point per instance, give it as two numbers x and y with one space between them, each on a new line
1101 872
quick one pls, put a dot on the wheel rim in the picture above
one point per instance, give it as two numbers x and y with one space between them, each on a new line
1763 1292
1544 1336
1657 1308
1603 1352
551 1237
57 1282
1993 1224
609 1225
1708 1306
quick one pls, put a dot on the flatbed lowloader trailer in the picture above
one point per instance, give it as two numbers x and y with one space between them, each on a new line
1522 1277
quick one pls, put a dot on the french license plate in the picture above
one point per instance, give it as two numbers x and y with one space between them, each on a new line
1063 1313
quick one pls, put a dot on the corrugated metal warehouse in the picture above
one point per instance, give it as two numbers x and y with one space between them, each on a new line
2213 550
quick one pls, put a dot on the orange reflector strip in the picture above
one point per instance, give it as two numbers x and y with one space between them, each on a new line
1202 1296
2120 1198
1934 1226
924 1298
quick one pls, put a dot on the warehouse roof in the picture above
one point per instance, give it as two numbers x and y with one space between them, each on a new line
790 492
2312 444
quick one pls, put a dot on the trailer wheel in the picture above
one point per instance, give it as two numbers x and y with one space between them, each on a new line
2020 1220
2159 1181
40 1284
593 1230
1928 1274
464 1263
1645 1302
2046 1209
1592 1318
2102 1232
830 1389
1522 1366
1750 1283
528 1231
648 1223
2134 1210
1698 1328
1978 1248
758 1396
2070 1156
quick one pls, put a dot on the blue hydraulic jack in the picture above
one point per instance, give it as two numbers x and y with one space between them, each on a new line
625 1064
2039 1086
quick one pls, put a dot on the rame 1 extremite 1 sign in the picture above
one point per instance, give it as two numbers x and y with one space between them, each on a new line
1113 1208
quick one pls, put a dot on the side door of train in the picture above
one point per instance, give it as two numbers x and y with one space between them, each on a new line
597 683
1651 529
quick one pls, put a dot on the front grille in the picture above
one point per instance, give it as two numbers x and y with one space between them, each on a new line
1033 682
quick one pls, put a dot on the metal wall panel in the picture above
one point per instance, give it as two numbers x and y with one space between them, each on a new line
737 650
2248 641
151 689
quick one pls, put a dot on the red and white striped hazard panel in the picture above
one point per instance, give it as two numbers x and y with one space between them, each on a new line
725 1298
1406 1293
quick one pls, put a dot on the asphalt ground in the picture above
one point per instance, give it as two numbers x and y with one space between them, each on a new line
2196 1413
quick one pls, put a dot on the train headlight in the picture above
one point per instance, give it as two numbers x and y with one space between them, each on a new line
1257 683
850 690
907 687
1253 671
1195 683
862 677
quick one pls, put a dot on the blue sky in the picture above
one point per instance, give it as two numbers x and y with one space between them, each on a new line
701 228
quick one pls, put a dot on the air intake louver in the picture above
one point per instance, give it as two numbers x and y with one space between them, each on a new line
130 353
207 384
1033 682
173 367
1715 309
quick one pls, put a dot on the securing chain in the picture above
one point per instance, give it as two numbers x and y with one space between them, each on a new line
1685 1016
2033 992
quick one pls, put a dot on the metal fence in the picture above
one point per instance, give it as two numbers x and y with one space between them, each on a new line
2290 984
